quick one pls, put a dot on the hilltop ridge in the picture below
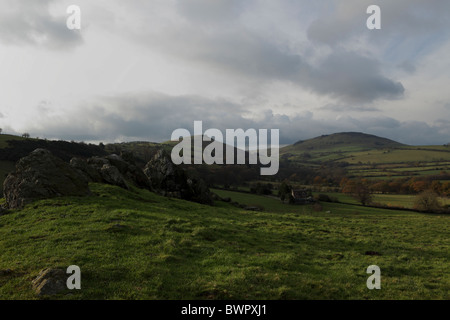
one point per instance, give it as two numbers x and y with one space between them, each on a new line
346 139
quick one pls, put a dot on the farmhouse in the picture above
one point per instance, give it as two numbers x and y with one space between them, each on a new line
302 196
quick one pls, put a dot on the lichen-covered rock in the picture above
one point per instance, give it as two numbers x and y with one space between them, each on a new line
129 171
109 169
41 175
170 180
50 281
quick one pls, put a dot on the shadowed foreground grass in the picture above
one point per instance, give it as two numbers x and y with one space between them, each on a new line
137 245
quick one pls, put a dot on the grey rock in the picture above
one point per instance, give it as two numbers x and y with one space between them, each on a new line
112 176
129 170
97 162
170 180
41 175
90 172
95 171
50 281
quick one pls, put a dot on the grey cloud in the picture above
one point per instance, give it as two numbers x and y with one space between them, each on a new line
148 116
335 107
211 12
408 27
348 76
355 78
241 51
30 22
154 116
407 66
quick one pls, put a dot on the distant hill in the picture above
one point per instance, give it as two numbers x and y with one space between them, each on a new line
143 151
365 155
343 141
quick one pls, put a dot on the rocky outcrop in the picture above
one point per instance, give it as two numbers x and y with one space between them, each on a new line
129 170
112 169
90 173
169 180
41 175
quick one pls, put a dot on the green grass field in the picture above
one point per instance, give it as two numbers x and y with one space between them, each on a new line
137 245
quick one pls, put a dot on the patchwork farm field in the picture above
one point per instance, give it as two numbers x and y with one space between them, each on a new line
369 156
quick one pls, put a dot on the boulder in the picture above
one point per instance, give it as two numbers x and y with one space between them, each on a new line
170 180
112 175
50 281
41 175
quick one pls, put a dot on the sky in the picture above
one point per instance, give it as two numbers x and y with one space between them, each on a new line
139 69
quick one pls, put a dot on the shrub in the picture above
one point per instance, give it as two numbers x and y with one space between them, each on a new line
326 198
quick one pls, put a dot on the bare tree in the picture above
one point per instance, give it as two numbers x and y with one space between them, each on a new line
427 201
359 189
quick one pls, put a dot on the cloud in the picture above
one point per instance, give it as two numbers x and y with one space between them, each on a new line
277 58
29 22
210 12
354 78
154 116
339 108
244 54
407 66
406 25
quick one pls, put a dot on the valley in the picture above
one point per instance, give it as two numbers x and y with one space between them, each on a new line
132 243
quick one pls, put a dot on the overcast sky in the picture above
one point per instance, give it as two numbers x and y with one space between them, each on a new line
139 69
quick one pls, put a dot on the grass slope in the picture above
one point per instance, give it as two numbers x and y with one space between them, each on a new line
137 245
4 138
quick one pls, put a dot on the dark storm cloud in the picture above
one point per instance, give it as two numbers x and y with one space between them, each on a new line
30 22
354 78
219 38
347 76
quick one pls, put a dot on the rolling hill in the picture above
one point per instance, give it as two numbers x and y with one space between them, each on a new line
344 141
360 154
368 155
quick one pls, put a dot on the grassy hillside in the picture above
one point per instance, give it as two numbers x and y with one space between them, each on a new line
137 245
4 138
369 156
